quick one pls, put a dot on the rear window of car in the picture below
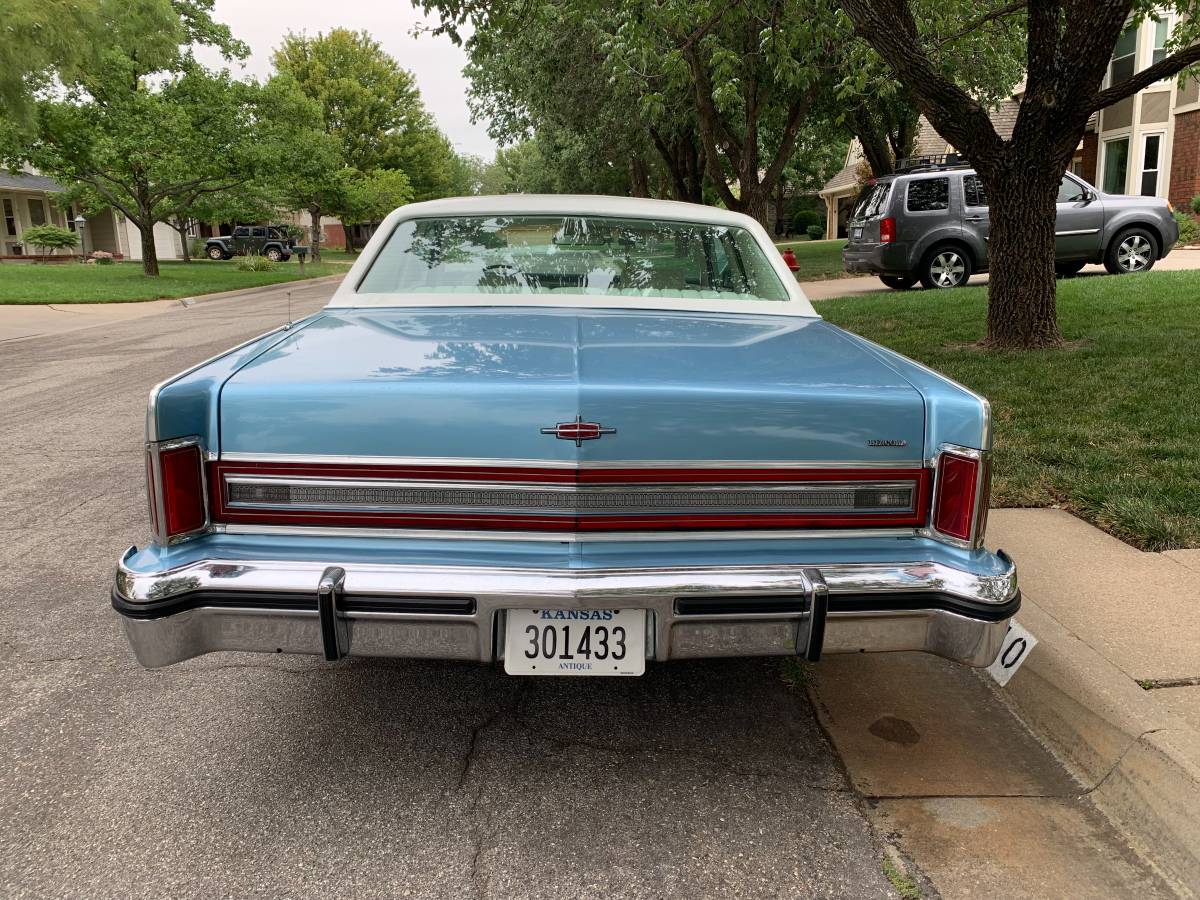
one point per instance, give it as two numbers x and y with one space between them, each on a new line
928 194
871 200
973 191
572 255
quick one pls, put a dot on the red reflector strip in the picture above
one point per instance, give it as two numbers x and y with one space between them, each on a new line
954 506
397 487
182 489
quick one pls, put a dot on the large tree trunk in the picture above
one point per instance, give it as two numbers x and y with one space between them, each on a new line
315 233
639 183
1021 288
348 230
756 202
149 253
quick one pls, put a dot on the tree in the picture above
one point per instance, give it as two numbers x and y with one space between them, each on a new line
42 38
147 151
1068 46
369 196
757 70
49 237
142 124
544 71
364 104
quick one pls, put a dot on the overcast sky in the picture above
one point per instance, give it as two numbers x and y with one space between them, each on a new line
435 61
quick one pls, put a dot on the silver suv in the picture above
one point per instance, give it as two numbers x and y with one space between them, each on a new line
931 225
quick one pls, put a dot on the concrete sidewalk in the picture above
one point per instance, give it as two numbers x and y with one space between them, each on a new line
1180 259
1084 769
1113 686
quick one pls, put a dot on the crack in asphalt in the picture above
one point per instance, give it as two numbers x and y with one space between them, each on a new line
481 829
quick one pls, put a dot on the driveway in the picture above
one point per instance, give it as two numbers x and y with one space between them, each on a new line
238 775
1177 260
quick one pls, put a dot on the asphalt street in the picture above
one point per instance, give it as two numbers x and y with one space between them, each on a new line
239 775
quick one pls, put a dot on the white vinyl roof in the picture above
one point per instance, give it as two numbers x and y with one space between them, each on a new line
347 295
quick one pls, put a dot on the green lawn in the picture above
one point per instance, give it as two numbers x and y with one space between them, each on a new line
122 282
1109 429
818 259
337 256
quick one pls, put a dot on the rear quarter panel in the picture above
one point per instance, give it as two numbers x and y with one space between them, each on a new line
954 414
187 404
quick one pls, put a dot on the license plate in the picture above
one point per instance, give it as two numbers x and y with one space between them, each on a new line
856 233
575 642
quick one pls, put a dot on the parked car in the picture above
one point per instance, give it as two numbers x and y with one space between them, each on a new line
271 241
573 434
931 225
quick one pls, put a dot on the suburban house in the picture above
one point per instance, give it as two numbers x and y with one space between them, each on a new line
1147 144
27 199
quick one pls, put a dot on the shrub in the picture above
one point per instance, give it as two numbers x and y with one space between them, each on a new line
804 220
49 237
1189 230
815 232
1195 204
196 247
255 263
102 258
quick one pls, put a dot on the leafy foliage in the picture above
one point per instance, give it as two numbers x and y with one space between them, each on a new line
1189 229
361 136
49 237
252 262
141 126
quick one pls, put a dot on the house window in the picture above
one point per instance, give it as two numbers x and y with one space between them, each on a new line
1116 165
1124 56
71 217
1151 163
1162 31
37 211
10 218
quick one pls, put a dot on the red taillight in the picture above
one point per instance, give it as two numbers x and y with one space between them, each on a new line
957 490
182 490
887 230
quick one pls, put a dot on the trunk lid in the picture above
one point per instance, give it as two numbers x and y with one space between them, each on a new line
482 383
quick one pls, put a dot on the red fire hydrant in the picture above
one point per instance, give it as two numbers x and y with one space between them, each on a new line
789 257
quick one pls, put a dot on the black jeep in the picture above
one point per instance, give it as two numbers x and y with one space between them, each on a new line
271 241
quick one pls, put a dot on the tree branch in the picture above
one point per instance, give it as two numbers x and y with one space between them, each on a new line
1172 65
787 143
707 26
888 26
713 130
999 13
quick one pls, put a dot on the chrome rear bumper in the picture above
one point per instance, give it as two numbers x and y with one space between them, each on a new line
458 613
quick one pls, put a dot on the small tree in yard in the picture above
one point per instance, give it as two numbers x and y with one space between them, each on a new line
49 237
1068 48
368 197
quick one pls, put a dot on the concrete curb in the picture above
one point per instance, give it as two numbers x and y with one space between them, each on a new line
1140 763
263 289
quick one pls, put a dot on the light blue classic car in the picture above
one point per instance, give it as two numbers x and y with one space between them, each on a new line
573 434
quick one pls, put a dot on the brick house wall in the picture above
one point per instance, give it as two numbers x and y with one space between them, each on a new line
1185 160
